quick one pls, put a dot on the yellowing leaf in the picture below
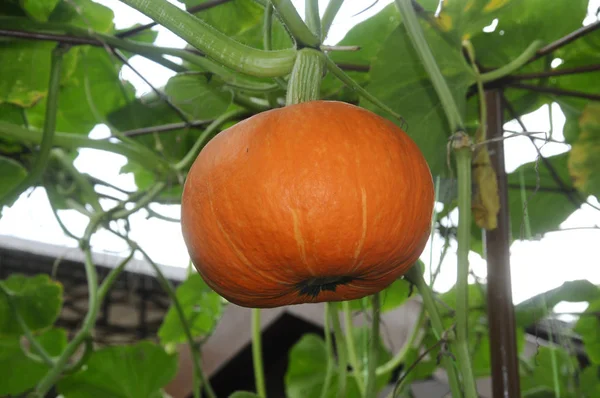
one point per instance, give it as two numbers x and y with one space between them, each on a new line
584 159
493 5
445 22
486 203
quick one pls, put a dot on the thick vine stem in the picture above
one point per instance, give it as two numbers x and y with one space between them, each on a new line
215 44
352 357
305 80
140 155
415 276
299 30
514 65
313 20
461 144
340 343
371 389
257 361
328 348
89 321
415 33
47 137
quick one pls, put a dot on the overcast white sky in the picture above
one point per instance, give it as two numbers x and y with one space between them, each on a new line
536 266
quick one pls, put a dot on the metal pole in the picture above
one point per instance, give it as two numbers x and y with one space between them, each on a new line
503 346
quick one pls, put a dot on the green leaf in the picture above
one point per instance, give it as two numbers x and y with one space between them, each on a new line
549 206
584 157
362 340
520 23
589 382
391 297
306 370
424 368
93 91
369 35
20 373
400 81
132 371
202 308
480 348
85 14
232 18
532 310
198 97
38 300
542 376
577 54
25 78
588 327
465 18
12 173
307 366
39 9
244 394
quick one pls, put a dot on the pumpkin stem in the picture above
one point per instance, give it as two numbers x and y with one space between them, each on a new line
305 80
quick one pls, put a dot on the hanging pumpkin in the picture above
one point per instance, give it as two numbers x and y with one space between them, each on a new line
319 201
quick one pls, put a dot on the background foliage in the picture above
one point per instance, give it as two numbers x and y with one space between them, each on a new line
158 131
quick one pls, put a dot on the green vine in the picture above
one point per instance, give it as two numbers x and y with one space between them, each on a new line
47 137
259 374
299 30
340 343
215 44
357 371
328 349
371 389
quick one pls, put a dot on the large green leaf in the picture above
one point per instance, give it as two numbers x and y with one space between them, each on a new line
467 17
480 346
548 207
232 18
198 97
202 308
532 310
93 91
133 371
589 382
541 378
399 80
307 366
39 9
20 373
25 78
84 13
391 297
577 54
12 173
584 158
38 300
369 35
16 115
520 23
588 327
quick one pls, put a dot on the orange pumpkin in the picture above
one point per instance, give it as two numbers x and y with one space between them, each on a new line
320 201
